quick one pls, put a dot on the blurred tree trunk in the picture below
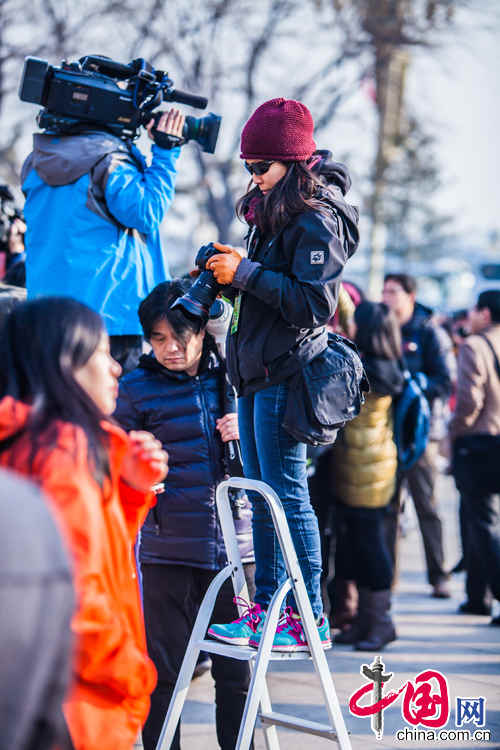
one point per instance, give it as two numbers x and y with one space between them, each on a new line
389 29
390 65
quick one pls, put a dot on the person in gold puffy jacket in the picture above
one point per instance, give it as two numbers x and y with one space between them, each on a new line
363 466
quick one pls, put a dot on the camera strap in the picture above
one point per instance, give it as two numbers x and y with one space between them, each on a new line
236 314
166 140
495 357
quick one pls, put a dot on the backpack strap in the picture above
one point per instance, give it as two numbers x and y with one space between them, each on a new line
404 367
495 356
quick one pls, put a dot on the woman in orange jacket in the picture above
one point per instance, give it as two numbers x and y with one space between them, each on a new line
58 387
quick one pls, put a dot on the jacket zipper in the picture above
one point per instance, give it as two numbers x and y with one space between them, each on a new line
156 520
212 455
206 417
236 334
250 254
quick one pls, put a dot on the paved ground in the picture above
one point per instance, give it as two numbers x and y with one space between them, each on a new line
431 636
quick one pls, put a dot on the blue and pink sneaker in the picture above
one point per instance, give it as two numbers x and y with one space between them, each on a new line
290 634
238 632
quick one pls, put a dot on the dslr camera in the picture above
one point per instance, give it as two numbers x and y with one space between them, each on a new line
200 298
98 91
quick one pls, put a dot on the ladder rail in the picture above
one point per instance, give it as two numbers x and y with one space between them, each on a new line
228 528
258 681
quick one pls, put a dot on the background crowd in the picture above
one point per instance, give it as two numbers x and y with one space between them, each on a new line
357 490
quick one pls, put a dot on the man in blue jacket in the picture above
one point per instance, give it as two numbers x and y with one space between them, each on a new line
93 211
427 353
177 394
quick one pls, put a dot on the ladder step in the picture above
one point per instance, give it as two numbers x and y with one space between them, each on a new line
299 725
210 646
245 653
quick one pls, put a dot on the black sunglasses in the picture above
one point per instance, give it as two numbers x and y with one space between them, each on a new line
259 168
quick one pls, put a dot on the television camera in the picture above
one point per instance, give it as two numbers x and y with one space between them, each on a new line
98 91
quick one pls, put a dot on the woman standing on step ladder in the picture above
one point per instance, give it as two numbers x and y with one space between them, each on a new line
301 232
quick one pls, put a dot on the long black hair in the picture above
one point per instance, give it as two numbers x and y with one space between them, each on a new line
297 191
377 330
42 343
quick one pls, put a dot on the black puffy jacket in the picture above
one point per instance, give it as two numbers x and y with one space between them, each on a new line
425 352
181 411
288 291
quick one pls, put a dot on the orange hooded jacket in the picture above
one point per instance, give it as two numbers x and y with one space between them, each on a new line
113 676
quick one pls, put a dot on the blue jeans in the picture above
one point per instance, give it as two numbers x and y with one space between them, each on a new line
271 455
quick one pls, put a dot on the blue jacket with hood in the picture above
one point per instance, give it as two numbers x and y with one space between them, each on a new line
93 210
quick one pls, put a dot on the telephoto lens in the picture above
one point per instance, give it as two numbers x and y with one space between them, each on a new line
203 130
199 299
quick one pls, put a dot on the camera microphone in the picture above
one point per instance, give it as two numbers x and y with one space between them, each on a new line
175 95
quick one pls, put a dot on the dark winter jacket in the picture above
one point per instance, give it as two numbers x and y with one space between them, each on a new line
181 411
424 352
37 602
289 287
16 270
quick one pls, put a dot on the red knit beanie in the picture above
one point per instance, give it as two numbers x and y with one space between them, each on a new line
279 129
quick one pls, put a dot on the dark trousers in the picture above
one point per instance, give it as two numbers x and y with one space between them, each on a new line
324 505
421 479
362 553
126 350
482 546
172 595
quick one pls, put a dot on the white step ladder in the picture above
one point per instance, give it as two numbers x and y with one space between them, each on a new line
258 694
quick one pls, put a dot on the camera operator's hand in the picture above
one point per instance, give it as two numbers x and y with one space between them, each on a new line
228 427
16 237
168 132
224 264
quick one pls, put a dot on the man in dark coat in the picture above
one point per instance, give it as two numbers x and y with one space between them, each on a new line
475 429
177 394
426 357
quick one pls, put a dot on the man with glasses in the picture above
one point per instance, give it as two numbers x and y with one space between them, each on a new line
475 432
426 358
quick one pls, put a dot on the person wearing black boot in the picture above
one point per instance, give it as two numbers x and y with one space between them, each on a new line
364 463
